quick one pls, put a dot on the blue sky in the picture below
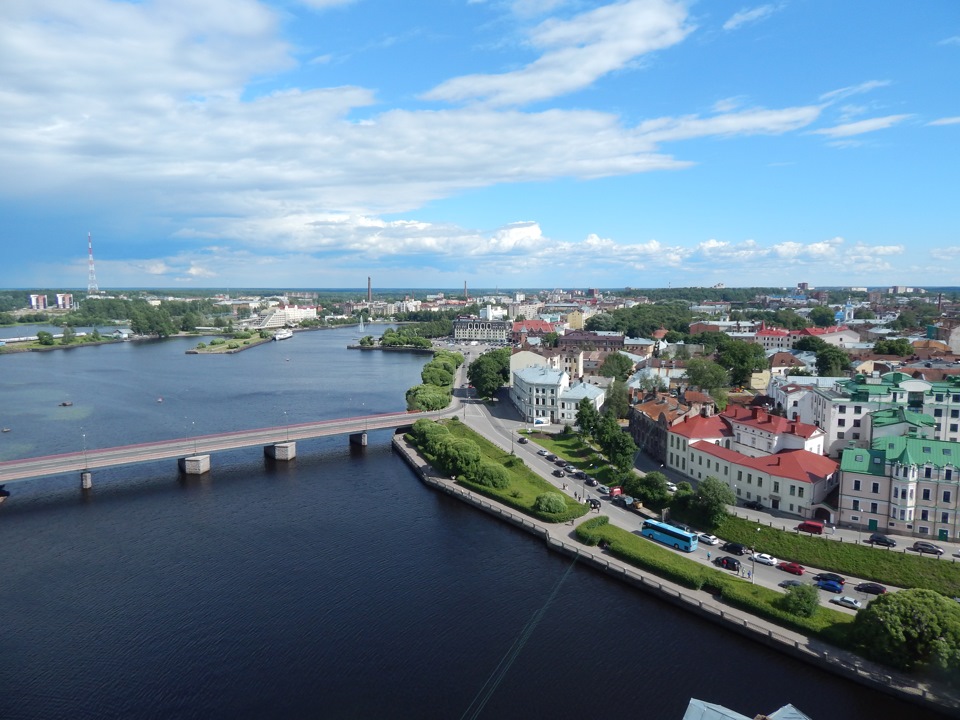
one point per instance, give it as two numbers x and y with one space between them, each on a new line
510 143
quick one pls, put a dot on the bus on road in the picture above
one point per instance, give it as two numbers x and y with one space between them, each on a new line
669 535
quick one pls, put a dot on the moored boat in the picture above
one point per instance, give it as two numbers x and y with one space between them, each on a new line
283 335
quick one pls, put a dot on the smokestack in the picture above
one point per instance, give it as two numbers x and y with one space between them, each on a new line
369 291
465 296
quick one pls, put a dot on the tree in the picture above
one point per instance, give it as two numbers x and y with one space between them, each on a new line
822 316
621 451
899 346
616 365
587 416
68 335
710 500
617 402
863 314
743 359
910 629
802 600
45 338
706 374
550 502
651 489
810 343
832 361
492 475
490 371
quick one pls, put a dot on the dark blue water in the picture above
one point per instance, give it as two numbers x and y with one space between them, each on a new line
335 586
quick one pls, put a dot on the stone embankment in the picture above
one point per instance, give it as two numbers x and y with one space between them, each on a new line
562 538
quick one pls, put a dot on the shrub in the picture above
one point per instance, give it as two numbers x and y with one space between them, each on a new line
550 502
802 600
233 345
492 475
201 346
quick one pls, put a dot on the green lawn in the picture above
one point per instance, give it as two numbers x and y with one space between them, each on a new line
572 449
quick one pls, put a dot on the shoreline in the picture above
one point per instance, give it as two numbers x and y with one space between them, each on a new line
811 650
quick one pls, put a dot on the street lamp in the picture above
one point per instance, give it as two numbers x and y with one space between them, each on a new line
84 436
286 424
753 559
193 431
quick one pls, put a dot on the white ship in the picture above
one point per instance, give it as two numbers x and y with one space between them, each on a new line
283 335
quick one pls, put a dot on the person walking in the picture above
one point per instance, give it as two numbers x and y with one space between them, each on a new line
708 556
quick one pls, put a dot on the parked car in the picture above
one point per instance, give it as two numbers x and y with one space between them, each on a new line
522 440
735 548
559 473
753 505
626 500
727 562
790 583
551 457
881 539
542 453
594 503
592 482
572 469
811 526
671 487
871 588
922 546
829 586
681 526
603 489
847 602
838 579
792 567
765 559
708 539
579 474
560 461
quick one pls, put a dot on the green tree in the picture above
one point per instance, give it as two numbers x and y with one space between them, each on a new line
68 335
587 416
621 451
899 346
832 361
810 343
550 502
863 314
801 600
617 402
427 397
911 629
460 456
616 365
492 475
706 374
489 372
710 501
651 489
45 338
743 359
822 316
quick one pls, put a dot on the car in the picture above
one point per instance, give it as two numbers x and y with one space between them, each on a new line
881 539
871 588
727 562
765 559
559 473
572 469
594 503
560 461
838 579
592 482
603 489
627 501
790 583
829 586
550 457
522 440
708 539
681 526
542 453
792 567
579 474
735 548
671 487
753 505
847 602
922 546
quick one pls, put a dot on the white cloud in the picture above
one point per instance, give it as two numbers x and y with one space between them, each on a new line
578 51
747 16
954 40
863 126
846 92
945 121
324 4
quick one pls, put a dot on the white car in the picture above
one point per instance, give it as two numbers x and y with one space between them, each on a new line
847 601
708 539
671 487
765 559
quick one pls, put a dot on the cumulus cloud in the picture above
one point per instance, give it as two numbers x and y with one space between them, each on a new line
751 15
577 52
861 127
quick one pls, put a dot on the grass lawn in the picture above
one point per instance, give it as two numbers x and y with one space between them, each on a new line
572 449
892 567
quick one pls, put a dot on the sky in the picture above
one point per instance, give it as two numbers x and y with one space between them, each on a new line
498 143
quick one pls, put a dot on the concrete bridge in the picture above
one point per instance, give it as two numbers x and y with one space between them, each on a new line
193 453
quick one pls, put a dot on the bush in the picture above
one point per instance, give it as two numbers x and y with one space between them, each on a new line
551 502
802 600
201 346
492 475
233 346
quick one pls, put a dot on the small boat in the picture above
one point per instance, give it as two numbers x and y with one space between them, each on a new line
66 403
5 430
159 399
283 335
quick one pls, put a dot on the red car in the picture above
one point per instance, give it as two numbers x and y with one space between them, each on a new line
792 567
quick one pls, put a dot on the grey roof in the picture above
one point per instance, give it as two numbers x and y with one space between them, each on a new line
701 710
580 391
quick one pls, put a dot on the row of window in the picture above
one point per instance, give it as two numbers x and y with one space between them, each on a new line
902 493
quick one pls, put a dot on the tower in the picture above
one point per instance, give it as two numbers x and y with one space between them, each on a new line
369 291
92 288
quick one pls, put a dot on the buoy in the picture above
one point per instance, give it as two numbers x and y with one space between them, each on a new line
159 399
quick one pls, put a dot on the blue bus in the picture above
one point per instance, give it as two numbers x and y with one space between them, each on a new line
669 535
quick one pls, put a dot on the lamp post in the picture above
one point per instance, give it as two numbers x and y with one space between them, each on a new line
753 559
193 431
84 436
286 424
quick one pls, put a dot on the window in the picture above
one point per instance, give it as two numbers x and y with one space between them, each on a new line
800 492
856 484
953 427
948 474
776 486
856 423
955 413
896 493
924 515
873 508
842 408
856 505
926 494
739 474
938 413
857 409
927 472
793 490
946 496
944 517
939 397
841 422
749 479
759 482
839 436
875 488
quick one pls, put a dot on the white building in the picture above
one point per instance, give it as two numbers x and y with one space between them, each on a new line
282 316
536 393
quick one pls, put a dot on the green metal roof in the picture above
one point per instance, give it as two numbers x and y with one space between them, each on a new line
919 451
899 415
865 462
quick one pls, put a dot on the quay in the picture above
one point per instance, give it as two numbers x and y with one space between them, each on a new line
562 538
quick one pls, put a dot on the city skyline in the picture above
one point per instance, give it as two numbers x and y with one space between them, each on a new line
511 143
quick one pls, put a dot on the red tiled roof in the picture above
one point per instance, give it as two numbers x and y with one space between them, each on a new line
799 465
532 326
762 420
699 427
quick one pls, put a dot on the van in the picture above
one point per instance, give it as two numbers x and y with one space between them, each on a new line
616 490
811 526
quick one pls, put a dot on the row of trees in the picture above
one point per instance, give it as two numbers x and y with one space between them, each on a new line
489 372
436 385
604 429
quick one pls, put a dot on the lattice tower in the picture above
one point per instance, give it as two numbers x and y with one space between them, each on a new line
92 288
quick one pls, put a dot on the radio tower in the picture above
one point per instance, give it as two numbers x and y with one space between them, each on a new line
92 288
